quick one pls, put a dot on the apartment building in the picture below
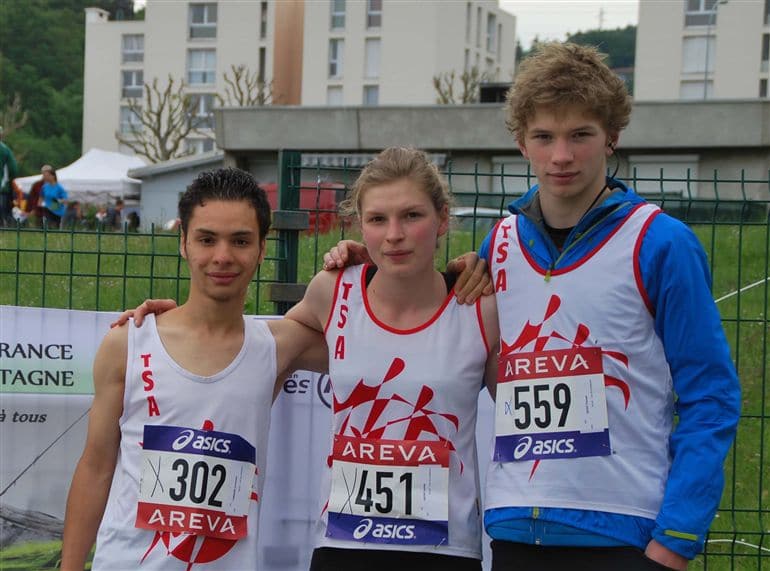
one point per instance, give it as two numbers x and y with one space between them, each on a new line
381 52
197 42
315 52
702 49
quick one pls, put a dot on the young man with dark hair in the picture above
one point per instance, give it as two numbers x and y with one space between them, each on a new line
174 461
608 330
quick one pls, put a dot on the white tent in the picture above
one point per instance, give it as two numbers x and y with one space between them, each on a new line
97 177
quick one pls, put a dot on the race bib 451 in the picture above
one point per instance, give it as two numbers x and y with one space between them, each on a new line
195 481
551 404
389 491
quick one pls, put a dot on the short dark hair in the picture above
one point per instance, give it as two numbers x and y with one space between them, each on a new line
225 184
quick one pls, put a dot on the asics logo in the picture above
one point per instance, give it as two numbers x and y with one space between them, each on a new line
204 443
522 448
363 528
183 439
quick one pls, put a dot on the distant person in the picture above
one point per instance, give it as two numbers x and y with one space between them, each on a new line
73 215
54 199
100 216
113 219
133 222
32 206
8 171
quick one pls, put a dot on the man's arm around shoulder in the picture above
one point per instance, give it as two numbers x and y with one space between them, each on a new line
299 336
93 475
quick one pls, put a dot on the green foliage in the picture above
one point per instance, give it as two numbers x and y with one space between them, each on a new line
619 44
41 58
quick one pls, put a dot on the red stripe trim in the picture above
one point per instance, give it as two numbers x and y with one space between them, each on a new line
492 244
334 300
481 325
637 268
390 329
583 260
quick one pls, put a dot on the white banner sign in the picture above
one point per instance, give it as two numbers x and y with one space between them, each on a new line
45 392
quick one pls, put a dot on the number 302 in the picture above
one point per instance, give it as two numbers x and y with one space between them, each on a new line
198 478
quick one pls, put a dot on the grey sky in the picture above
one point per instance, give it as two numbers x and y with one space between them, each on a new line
553 19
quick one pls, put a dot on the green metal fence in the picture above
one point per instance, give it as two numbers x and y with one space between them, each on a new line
95 270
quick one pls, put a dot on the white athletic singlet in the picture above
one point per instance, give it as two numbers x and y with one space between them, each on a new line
403 469
585 399
191 459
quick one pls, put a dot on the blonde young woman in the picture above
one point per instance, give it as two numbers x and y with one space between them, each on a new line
407 361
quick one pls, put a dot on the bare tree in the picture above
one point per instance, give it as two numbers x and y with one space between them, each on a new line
468 92
164 117
245 89
13 117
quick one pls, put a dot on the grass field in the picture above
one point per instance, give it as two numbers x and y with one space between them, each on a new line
115 271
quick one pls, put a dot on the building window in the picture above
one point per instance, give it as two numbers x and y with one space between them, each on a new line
203 21
261 68
700 12
763 88
765 59
468 15
262 20
196 146
698 54
696 89
491 32
129 120
133 48
372 58
499 47
478 27
202 116
371 95
133 83
656 174
336 47
334 95
373 13
338 15
201 67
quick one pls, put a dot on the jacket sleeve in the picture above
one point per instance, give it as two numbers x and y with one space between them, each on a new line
677 281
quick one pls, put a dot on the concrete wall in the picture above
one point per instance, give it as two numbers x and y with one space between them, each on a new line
730 136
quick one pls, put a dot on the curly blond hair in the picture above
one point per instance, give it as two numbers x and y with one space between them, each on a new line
562 75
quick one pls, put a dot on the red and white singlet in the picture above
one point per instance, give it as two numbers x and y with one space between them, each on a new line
584 396
191 463
403 471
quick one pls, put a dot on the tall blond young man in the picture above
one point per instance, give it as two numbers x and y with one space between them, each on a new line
608 324
172 471
608 332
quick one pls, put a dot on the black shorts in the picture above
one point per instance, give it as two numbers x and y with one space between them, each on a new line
339 559
510 556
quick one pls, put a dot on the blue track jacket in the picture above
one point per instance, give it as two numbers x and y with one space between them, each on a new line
676 276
